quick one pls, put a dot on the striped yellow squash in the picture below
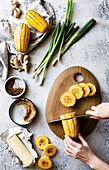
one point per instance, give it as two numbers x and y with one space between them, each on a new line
21 37
36 21
71 126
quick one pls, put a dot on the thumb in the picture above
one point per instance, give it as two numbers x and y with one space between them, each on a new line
82 139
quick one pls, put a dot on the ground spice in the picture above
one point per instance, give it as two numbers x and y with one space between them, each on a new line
11 90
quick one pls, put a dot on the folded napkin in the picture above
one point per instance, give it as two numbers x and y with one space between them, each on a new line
7 28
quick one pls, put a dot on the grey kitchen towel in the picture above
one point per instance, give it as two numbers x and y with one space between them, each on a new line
3 60
7 28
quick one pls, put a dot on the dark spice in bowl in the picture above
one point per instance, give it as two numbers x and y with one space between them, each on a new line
13 88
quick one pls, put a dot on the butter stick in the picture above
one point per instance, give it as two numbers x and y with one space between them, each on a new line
20 150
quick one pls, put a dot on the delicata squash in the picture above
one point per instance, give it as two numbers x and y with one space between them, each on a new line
71 126
36 21
41 142
85 88
92 89
50 150
76 90
21 37
68 99
44 162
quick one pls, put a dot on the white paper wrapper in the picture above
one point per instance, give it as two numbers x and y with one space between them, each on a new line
24 136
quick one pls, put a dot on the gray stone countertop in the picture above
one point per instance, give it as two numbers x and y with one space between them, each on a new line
91 52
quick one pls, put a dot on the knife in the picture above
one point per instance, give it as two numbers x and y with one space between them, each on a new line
57 120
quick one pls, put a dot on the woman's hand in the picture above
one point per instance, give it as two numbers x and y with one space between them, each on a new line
99 112
82 151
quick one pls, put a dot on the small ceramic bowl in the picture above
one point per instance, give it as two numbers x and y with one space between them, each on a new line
19 83
16 112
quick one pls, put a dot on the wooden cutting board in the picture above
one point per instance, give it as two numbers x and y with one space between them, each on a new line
54 108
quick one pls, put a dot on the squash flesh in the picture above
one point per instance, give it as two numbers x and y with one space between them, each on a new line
76 90
70 126
92 89
50 150
68 99
44 162
85 88
41 142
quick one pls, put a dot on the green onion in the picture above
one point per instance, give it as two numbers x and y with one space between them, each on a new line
70 29
67 20
61 36
79 34
51 44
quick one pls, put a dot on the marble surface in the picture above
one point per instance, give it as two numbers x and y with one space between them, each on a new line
91 52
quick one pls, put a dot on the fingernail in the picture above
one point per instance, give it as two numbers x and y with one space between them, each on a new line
65 135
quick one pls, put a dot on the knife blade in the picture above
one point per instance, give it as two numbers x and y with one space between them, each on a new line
57 120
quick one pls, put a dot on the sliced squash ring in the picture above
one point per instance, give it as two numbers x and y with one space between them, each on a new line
92 89
41 142
68 99
50 150
85 88
76 90
44 162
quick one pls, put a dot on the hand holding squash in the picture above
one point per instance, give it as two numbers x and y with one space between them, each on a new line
99 112
84 153
79 151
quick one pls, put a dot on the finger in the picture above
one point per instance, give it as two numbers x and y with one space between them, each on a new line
90 112
93 107
82 139
73 143
66 150
93 117
72 148
68 153
67 147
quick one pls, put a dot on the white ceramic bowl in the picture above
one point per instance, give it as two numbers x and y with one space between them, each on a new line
22 85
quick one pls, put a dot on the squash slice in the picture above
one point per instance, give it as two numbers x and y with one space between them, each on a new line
44 162
76 90
41 142
68 99
85 88
92 89
50 150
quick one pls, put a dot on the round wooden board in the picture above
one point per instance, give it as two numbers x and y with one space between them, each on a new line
54 108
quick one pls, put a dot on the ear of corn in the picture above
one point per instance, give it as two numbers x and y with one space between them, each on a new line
36 21
21 37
